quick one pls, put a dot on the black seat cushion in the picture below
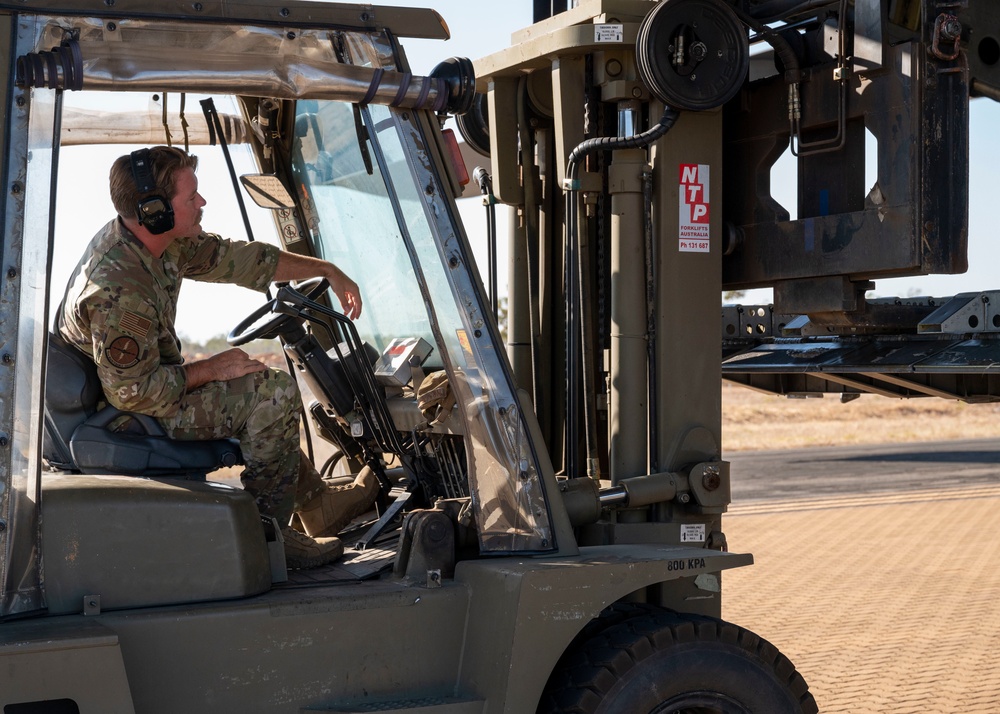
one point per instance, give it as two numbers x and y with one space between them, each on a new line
83 434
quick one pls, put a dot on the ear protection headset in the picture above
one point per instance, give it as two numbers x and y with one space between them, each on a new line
154 212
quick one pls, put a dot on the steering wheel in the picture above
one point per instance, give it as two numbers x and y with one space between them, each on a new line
248 330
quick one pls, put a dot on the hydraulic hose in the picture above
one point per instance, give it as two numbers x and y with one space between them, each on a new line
613 143
531 209
482 177
653 427
790 61
572 273
781 9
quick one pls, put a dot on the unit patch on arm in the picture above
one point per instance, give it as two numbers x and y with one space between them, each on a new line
123 352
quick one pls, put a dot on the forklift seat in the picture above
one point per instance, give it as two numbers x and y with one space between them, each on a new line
83 436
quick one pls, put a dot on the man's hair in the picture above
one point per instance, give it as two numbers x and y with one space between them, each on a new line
164 161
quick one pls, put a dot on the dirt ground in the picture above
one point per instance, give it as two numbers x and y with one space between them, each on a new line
752 420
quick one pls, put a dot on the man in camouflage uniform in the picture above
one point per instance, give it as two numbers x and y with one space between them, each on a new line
120 307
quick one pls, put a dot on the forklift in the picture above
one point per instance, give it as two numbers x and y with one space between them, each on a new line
549 532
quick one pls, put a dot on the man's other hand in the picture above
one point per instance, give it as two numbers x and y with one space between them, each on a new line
231 364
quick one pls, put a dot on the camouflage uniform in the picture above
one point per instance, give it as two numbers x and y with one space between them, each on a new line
120 308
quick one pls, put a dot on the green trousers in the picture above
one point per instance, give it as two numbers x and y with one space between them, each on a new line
261 410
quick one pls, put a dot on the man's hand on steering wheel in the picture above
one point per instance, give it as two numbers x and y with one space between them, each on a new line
292 266
346 291
323 275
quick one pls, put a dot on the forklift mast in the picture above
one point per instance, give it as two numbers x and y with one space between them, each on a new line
616 269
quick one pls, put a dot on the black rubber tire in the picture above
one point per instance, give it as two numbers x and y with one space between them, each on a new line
612 616
668 663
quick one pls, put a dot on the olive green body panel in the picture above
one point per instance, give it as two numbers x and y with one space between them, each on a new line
290 648
122 542
525 613
75 658
491 635
316 646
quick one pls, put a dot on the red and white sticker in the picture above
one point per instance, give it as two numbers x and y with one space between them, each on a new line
693 228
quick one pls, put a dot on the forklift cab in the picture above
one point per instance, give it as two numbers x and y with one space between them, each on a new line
364 185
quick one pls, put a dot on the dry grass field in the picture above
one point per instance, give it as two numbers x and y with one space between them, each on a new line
752 420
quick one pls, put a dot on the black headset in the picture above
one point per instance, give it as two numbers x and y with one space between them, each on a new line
154 212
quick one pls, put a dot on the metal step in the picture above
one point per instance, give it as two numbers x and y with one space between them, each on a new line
426 705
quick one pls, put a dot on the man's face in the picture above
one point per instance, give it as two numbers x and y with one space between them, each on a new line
187 204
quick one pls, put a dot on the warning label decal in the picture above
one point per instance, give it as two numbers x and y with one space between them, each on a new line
693 229
609 33
692 532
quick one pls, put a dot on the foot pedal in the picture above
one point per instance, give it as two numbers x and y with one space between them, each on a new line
383 523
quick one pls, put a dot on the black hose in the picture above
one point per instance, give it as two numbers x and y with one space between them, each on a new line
331 464
613 143
482 177
570 278
572 273
781 9
653 425
789 60
531 209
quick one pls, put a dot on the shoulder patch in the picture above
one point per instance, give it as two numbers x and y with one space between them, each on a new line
123 352
135 323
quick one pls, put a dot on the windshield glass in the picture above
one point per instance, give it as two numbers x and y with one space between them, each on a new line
353 218
376 208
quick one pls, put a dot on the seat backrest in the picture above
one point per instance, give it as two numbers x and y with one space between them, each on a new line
78 436
72 393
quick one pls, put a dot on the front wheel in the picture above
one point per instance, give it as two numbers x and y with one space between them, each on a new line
669 663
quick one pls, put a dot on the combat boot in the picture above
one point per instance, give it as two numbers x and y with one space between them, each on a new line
302 551
328 513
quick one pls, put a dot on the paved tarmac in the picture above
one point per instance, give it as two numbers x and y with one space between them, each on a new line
887 602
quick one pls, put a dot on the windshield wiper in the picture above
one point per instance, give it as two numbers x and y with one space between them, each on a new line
337 39
363 138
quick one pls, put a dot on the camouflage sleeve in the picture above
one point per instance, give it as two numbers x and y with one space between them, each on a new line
217 260
128 360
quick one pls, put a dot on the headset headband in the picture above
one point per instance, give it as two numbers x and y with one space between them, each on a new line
142 171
